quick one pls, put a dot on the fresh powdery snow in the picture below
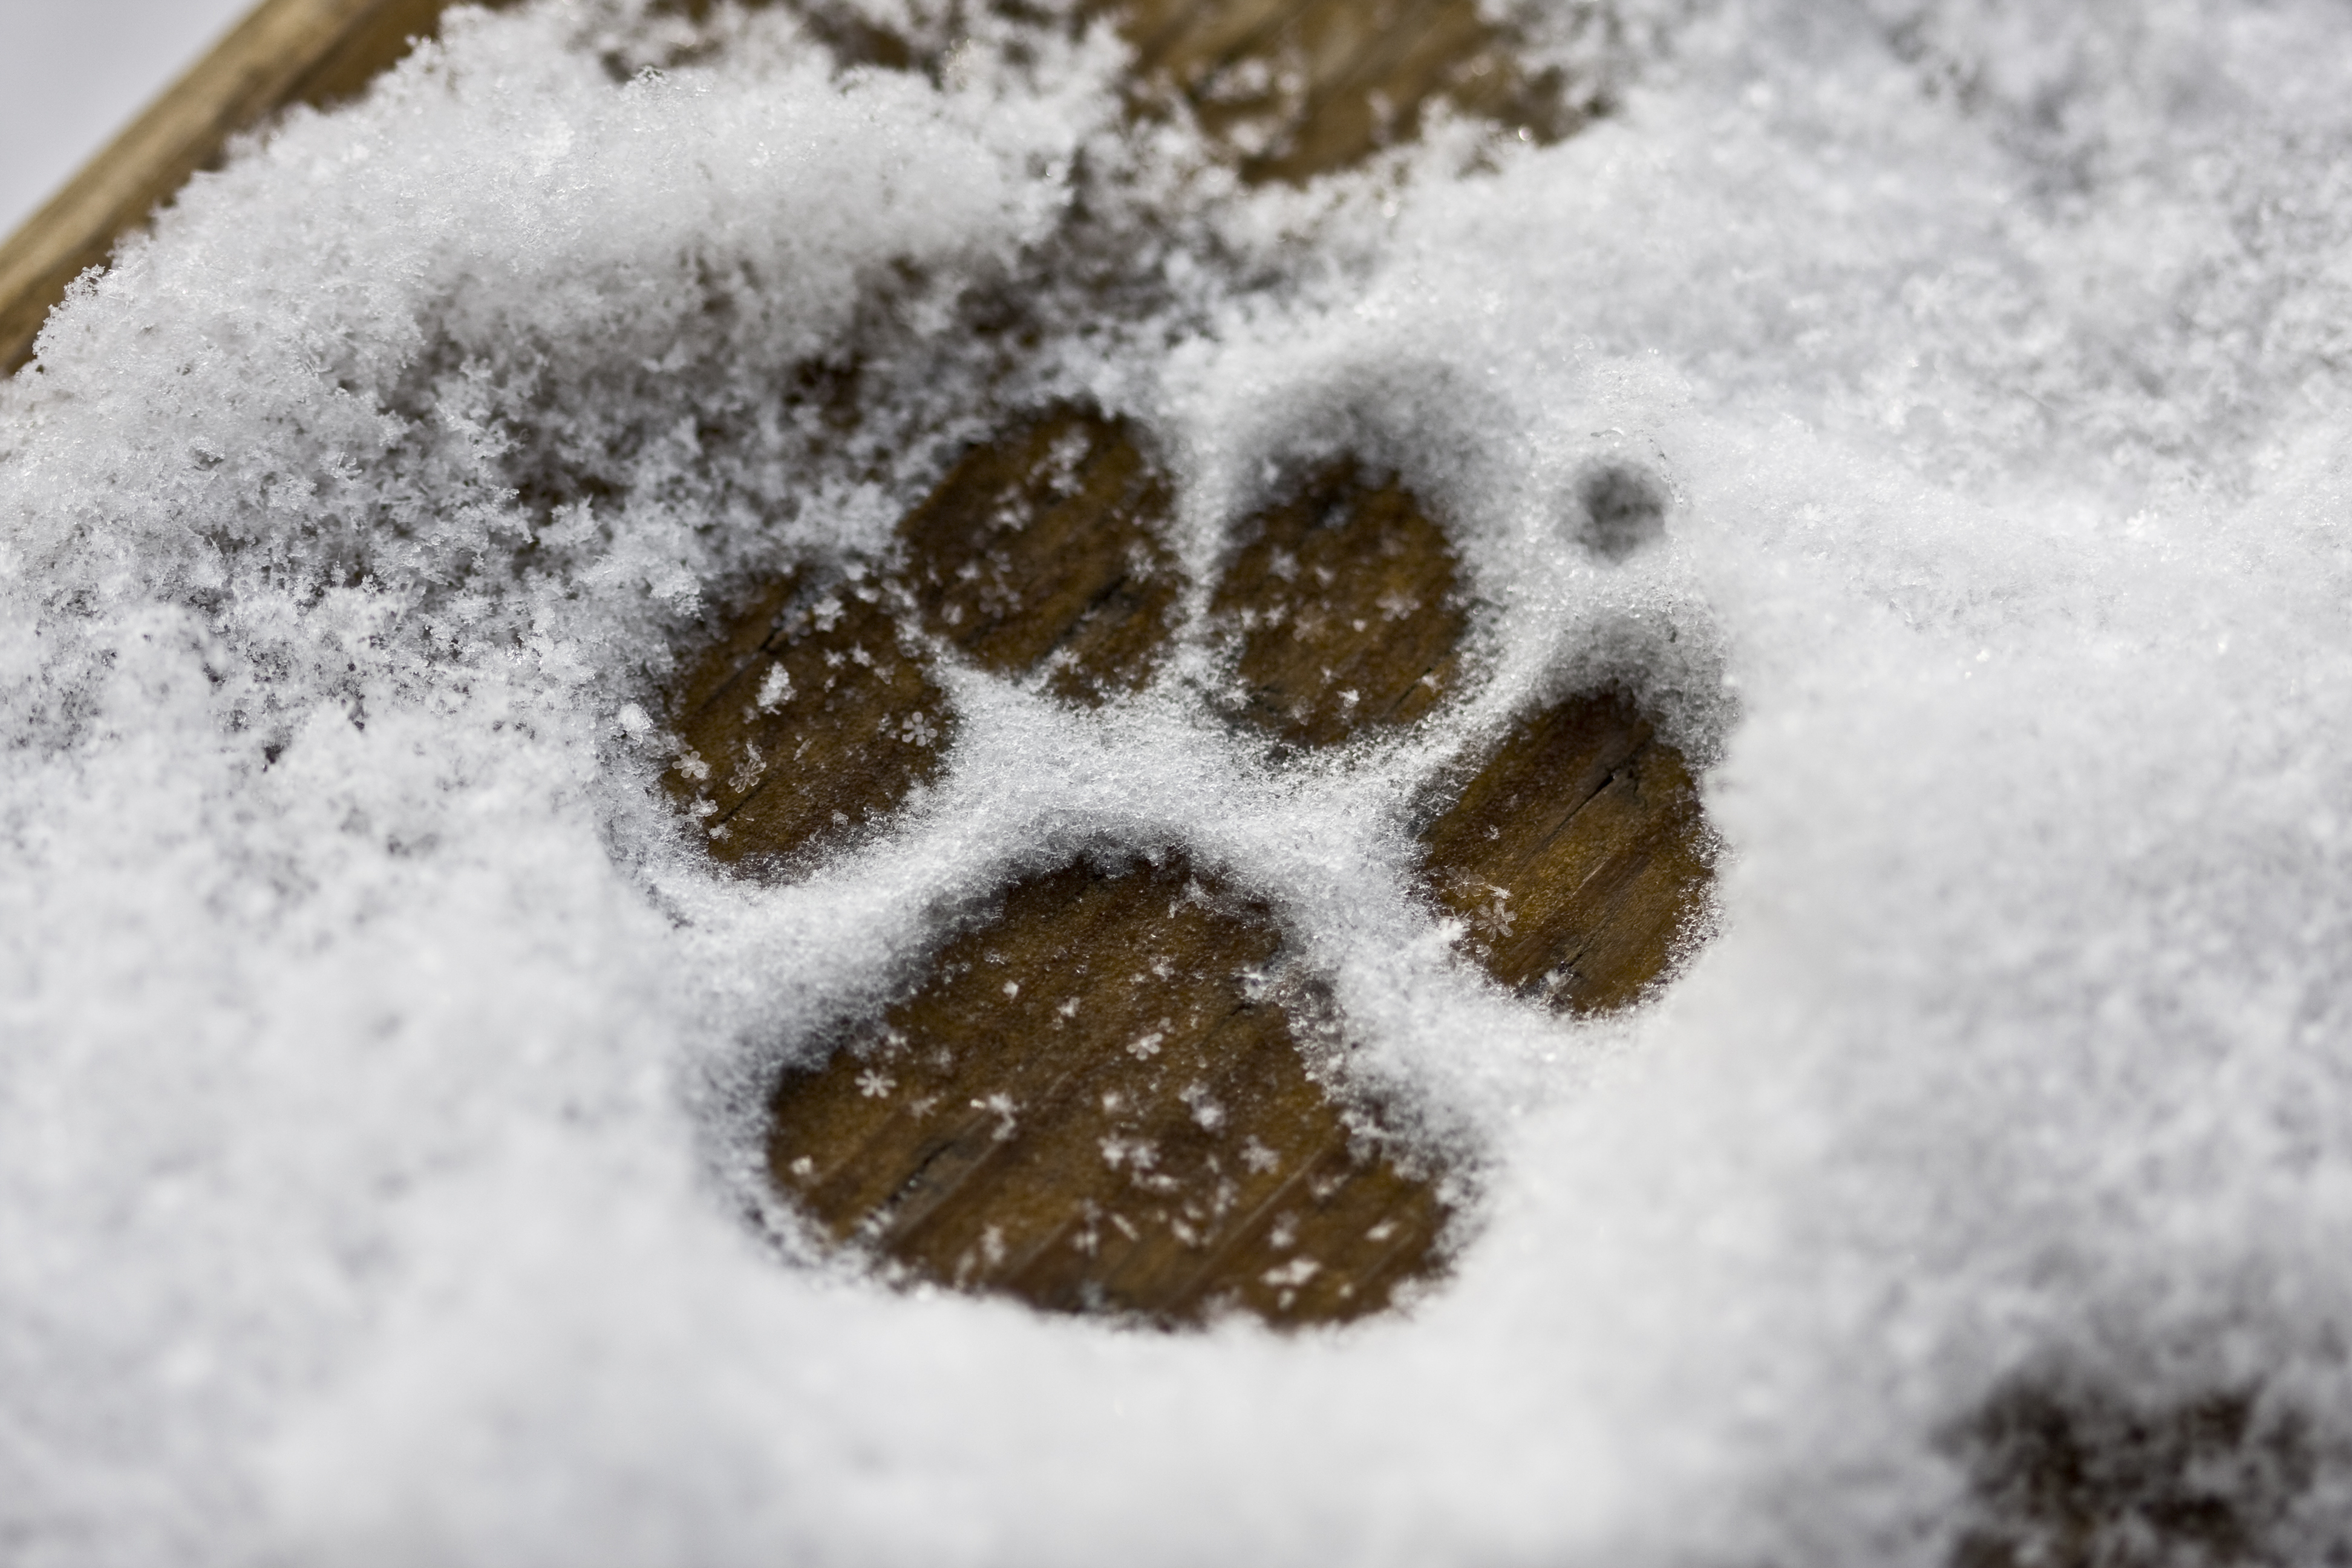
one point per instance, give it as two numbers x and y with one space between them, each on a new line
380 1060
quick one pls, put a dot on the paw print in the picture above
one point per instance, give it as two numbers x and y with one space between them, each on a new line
1124 1088
1126 1085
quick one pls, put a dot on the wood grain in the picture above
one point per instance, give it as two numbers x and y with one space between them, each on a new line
1101 1101
1578 857
1045 549
809 722
1344 609
1299 88
814 715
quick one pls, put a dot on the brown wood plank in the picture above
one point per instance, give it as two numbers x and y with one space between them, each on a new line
1293 87
1345 610
1578 857
811 721
1045 547
1299 88
1098 1102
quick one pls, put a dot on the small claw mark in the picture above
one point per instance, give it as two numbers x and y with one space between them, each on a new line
1620 509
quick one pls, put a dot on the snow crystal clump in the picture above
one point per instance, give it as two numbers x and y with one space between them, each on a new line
1964 388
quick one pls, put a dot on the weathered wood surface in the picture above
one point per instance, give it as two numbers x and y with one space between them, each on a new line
815 714
1098 1101
1298 88
1045 550
1577 855
1345 609
812 719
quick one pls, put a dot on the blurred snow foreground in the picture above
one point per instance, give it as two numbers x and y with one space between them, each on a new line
378 1057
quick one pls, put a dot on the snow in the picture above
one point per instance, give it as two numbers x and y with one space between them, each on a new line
378 1062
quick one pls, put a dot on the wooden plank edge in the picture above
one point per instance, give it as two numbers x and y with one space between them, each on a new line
284 52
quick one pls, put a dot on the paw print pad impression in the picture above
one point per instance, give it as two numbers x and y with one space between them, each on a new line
1123 1087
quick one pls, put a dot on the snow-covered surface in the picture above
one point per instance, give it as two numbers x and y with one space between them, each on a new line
370 1038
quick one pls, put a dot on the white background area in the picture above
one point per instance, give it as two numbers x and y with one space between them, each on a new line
74 72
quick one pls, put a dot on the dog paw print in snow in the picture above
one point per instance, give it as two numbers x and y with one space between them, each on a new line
1125 1084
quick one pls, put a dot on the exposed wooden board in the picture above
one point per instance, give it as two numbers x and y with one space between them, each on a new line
285 52
812 719
1299 88
1346 610
1578 856
1046 548
1098 1102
